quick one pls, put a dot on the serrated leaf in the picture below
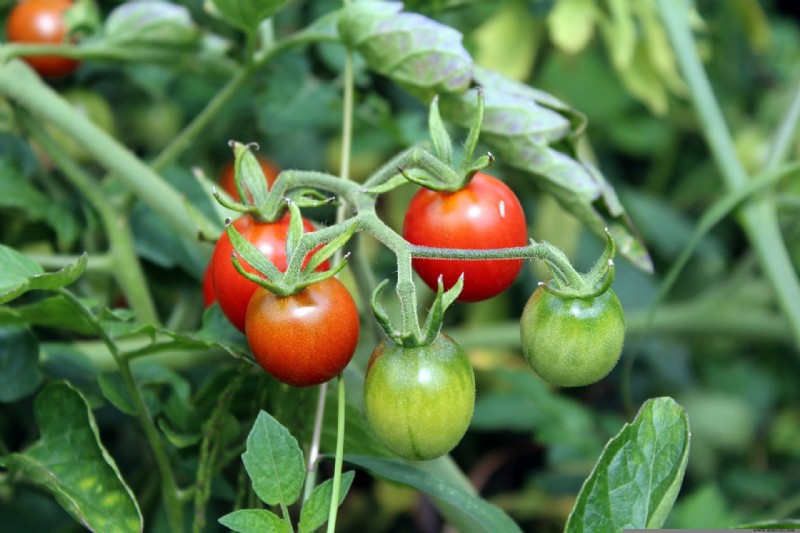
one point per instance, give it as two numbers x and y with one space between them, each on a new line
19 363
274 461
637 478
54 312
254 521
486 516
317 508
20 274
70 461
415 51
247 14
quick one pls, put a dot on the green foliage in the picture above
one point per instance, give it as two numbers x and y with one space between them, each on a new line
125 405
638 475
69 461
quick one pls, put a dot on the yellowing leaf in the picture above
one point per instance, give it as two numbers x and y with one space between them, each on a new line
508 41
571 24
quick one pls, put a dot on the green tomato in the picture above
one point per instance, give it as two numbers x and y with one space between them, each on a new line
571 342
152 125
419 401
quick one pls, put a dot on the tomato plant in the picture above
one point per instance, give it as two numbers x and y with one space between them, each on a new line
228 183
484 214
93 106
572 341
41 22
234 291
419 400
303 339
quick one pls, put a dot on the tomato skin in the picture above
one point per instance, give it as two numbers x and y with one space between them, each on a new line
41 22
419 401
208 287
572 342
304 339
484 214
228 183
233 290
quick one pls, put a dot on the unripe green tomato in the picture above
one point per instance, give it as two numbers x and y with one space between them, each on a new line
571 342
152 125
419 401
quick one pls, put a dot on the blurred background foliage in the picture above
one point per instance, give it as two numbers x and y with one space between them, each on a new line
718 343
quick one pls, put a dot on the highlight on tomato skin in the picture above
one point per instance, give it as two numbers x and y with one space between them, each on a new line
233 291
304 339
227 179
41 22
485 214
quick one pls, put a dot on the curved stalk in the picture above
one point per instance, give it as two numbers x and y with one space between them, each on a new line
758 215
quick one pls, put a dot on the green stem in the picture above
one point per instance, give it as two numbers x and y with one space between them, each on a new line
313 449
20 84
337 468
101 263
759 218
171 494
783 141
124 263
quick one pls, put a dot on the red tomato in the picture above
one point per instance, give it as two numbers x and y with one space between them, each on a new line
304 339
484 214
208 287
233 290
228 183
41 22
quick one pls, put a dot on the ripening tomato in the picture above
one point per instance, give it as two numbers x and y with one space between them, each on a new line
41 22
228 182
233 290
572 341
419 401
484 214
304 339
208 287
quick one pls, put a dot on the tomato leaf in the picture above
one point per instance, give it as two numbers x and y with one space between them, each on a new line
161 26
19 194
316 509
274 462
19 360
251 182
247 14
70 461
636 480
520 124
254 521
415 51
20 274
480 514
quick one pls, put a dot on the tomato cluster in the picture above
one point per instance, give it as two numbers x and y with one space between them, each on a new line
419 396
41 22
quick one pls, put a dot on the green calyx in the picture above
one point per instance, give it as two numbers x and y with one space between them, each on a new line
443 176
299 246
417 336
251 184
568 283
